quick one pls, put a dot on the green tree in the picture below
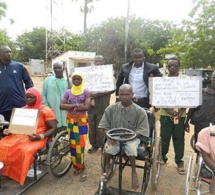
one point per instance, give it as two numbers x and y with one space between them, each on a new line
32 45
3 8
108 38
194 40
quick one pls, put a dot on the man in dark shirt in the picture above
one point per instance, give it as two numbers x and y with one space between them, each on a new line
13 77
136 73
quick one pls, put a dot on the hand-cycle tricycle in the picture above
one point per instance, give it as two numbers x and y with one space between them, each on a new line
149 153
54 158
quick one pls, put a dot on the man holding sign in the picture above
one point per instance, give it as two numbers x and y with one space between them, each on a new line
99 101
172 124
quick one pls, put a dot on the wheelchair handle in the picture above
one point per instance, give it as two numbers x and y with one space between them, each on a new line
121 134
4 123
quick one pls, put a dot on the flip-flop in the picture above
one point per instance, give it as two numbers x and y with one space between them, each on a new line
77 171
181 170
83 176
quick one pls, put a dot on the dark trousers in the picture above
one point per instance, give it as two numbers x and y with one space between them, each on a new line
144 103
96 136
176 132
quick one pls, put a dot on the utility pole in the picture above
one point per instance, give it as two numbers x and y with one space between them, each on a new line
126 31
54 29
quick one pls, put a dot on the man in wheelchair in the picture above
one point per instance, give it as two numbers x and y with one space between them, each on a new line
17 150
125 114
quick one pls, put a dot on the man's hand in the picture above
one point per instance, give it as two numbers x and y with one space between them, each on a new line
187 127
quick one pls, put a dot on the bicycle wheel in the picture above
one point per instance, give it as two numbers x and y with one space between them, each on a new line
59 159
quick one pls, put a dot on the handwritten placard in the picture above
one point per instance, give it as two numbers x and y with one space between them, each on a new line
24 121
98 78
176 92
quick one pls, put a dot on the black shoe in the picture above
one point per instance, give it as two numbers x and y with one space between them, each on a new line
92 150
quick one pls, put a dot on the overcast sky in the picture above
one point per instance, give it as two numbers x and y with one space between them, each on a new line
33 13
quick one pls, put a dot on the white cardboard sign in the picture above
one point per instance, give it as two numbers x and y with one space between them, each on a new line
176 92
24 121
98 78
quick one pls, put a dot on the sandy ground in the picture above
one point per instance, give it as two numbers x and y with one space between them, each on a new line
170 182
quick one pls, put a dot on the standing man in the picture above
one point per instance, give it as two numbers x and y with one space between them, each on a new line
52 92
100 101
202 116
136 73
171 129
14 79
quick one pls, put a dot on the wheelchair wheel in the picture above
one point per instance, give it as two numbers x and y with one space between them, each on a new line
58 155
191 175
156 164
113 161
146 177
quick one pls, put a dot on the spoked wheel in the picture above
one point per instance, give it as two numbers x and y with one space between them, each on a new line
156 164
113 161
191 175
58 155
146 176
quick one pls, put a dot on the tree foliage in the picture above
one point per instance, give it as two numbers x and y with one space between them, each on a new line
108 38
32 45
194 40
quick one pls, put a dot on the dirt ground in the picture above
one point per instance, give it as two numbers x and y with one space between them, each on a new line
170 182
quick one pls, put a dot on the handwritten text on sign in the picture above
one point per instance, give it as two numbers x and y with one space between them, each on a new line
98 78
173 92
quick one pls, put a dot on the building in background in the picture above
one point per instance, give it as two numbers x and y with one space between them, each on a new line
73 59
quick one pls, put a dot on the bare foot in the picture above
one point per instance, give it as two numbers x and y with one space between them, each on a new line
134 178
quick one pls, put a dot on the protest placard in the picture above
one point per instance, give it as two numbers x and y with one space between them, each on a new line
176 92
24 121
98 78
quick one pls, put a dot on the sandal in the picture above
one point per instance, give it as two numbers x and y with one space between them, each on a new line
92 150
83 176
181 170
77 171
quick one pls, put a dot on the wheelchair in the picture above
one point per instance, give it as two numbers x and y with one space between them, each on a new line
149 151
53 159
200 178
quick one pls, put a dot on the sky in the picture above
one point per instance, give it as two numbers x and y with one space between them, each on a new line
65 13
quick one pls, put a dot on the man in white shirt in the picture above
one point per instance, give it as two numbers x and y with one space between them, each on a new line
136 73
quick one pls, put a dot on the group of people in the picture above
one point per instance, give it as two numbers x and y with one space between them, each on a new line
76 108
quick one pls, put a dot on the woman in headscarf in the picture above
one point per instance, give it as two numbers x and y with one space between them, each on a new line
17 150
77 102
